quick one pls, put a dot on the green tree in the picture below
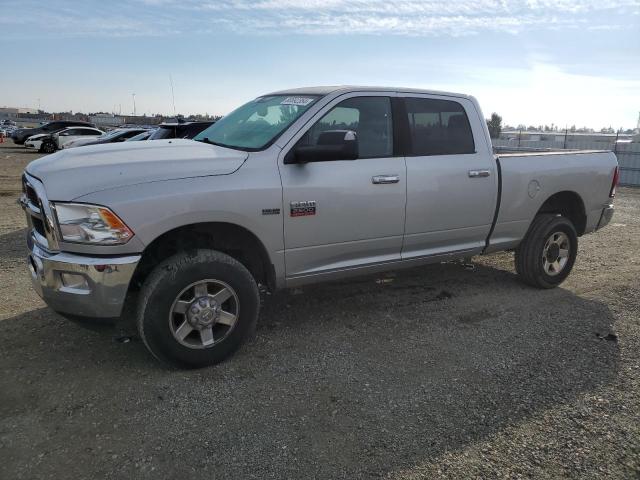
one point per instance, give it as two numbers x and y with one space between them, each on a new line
494 124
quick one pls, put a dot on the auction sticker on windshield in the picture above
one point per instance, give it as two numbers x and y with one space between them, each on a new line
302 101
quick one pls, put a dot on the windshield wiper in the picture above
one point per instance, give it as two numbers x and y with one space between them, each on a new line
206 140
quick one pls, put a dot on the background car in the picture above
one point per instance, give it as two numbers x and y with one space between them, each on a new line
141 136
64 137
20 135
35 141
179 130
118 135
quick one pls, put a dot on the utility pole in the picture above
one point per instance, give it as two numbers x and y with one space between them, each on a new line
173 98
133 95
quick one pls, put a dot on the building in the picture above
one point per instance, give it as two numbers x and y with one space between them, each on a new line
111 120
15 111
106 120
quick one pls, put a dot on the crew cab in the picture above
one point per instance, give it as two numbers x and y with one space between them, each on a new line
293 188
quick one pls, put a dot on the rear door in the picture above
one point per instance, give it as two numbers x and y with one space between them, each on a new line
351 218
451 177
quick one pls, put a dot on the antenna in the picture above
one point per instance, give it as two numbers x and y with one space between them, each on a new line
173 98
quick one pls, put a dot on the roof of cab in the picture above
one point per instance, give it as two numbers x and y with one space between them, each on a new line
326 90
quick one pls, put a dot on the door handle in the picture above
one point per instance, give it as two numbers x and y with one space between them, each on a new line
479 173
384 179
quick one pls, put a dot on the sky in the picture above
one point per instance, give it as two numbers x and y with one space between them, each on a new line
566 62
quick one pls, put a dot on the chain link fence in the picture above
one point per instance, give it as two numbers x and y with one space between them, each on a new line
628 153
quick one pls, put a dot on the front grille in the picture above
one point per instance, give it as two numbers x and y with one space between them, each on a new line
32 196
38 226
35 207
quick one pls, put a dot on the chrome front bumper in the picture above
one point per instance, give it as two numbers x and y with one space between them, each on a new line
79 284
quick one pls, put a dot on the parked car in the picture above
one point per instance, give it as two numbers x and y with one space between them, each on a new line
49 143
20 135
8 129
179 130
114 136
141 136
35 142
64 137
8 122
293 188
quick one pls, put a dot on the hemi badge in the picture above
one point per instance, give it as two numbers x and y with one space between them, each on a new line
271 211
303 209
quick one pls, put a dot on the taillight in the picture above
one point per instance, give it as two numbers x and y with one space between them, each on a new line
614 183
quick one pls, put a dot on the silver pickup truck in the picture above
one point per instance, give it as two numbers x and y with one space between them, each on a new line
292 188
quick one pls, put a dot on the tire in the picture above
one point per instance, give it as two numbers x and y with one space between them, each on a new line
176 285
48 147
535 254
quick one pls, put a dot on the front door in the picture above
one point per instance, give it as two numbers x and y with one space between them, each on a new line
68 136
348 213
452 178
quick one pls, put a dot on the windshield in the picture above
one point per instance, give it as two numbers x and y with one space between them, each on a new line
257 124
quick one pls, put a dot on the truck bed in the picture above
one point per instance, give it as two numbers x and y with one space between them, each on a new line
526 179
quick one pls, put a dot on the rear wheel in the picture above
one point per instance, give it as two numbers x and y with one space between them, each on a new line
196 309
546 256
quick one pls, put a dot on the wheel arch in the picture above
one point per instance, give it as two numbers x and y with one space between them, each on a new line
234 240
569 204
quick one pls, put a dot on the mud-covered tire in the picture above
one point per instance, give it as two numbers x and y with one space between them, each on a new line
532 264
161 290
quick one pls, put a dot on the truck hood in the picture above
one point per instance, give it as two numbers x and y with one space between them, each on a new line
69 174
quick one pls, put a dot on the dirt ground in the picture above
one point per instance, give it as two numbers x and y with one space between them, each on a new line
438 372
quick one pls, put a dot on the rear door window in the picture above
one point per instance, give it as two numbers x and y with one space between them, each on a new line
438 127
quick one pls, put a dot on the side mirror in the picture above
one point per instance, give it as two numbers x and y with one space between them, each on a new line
332 145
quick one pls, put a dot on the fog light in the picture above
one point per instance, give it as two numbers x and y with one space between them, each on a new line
72 280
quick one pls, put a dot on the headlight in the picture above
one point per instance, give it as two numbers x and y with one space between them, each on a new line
94 224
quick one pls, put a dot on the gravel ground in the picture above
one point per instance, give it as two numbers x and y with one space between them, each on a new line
437 372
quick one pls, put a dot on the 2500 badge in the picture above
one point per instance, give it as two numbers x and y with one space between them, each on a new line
303 209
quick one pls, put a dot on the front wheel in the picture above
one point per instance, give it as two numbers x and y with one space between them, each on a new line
546 256
48 147
195 309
